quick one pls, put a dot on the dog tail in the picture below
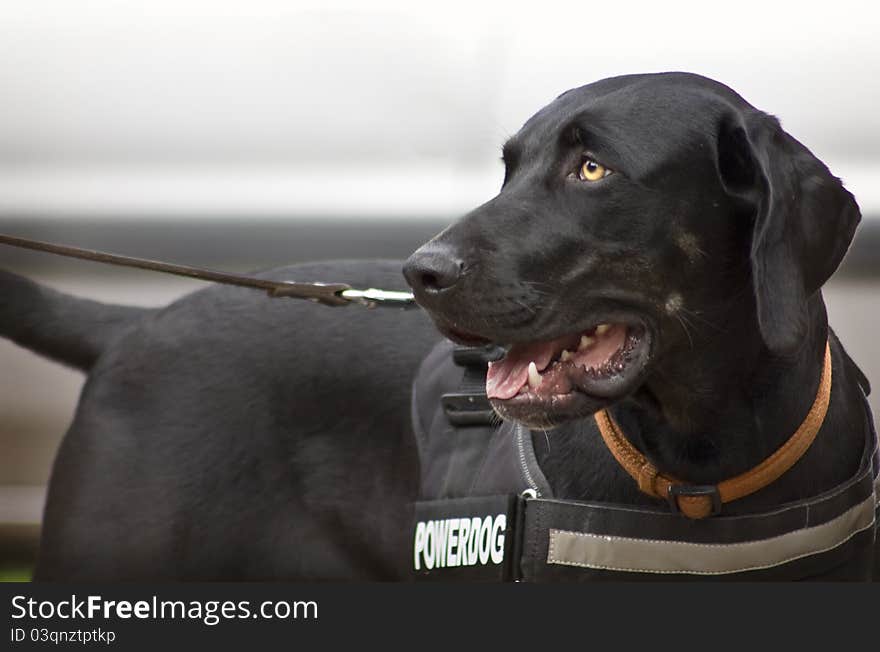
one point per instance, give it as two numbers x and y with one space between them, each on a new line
59 326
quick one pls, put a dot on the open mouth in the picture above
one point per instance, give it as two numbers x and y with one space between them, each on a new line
544 383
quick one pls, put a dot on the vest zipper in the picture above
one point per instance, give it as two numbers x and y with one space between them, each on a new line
527 474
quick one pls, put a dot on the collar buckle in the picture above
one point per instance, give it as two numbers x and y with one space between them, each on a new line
709 491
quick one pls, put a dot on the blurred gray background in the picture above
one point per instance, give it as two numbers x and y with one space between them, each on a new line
243 135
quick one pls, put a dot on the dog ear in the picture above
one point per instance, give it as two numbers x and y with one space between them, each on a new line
804 221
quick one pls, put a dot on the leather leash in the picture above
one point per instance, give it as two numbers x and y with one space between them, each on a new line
700 501
328 294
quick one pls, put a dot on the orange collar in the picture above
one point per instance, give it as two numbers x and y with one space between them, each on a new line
699 501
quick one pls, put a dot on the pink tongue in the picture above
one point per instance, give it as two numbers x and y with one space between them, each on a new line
507 375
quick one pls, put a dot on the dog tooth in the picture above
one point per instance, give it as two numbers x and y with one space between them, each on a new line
586 340
602 328
534 376
566 355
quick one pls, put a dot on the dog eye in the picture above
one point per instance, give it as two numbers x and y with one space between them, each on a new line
592 171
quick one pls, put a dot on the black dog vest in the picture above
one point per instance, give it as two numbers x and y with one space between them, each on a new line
486 511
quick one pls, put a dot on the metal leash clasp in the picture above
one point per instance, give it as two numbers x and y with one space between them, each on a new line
341 294
372 297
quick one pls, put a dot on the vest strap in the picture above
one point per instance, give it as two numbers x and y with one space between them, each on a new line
468 405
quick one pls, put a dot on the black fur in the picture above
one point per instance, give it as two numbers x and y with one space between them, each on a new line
237 437
66 329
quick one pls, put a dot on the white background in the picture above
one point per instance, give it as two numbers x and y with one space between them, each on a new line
230 107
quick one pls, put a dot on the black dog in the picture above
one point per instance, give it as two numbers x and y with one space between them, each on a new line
658 246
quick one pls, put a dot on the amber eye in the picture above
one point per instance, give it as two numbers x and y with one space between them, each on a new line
592 171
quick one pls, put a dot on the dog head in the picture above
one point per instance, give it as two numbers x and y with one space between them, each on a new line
631 209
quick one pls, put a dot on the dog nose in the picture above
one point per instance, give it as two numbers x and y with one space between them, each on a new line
432 269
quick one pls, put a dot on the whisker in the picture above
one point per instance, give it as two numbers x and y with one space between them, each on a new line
697 315
684 327
525 306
